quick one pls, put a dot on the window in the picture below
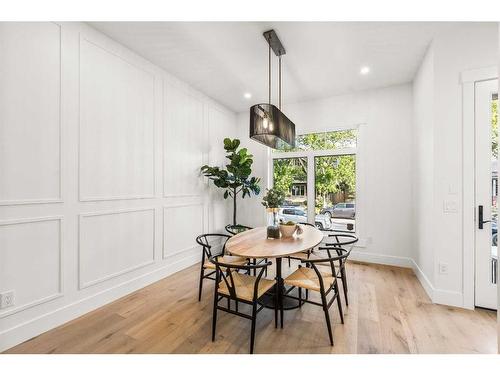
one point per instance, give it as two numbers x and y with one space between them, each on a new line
333 158
290 176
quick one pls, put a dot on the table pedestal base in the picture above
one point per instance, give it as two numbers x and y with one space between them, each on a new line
267 300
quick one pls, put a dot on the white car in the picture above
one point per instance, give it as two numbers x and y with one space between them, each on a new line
298 215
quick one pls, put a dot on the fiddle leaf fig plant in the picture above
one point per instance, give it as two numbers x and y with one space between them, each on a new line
235 178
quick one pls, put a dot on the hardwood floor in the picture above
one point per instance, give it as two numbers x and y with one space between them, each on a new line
388 312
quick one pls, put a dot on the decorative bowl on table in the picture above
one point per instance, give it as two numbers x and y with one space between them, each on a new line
288 229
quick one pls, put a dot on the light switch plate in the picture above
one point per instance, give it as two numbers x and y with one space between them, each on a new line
450 206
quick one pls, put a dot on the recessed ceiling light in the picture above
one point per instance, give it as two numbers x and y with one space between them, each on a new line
247 95
364 70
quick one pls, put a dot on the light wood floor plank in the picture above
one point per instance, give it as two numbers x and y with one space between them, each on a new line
388 312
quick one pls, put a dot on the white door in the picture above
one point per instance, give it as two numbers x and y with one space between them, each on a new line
486 189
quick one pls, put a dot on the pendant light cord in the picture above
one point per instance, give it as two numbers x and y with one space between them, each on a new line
269 101
279 95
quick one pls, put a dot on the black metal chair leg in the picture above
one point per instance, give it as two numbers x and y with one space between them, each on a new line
339 304
307 294
214 319
236 303
252 334
289 262
265 272
281 310
327 318
344 285
300 297
228 303
202 273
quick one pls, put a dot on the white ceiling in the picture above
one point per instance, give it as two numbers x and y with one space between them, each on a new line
226 59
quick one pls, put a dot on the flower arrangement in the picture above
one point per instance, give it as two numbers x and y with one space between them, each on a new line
273 199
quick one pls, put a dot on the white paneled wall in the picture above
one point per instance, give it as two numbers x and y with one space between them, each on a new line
30 113
100 192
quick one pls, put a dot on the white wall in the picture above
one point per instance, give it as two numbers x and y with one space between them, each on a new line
99 186
384 201
423 169
457 49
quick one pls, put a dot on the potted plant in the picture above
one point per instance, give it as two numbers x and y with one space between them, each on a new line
235 178
273 199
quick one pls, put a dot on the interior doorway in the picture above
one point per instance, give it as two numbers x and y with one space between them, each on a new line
486 193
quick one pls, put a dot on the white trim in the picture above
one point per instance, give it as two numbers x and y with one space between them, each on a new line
83 285
469 79
81 197
424 281
389 260
43 323
480 74
310 155
59 198
60 289
178 205
440 296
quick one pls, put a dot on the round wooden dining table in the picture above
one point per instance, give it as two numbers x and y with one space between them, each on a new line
254 243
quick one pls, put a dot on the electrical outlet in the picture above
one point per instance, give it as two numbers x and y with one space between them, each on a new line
7 299
443 268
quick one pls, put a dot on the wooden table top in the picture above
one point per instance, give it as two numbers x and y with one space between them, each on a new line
254 243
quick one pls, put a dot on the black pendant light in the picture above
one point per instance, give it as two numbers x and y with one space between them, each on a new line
268 125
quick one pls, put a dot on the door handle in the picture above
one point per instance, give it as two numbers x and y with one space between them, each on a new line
481 222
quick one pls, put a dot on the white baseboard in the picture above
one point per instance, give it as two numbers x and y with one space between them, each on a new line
424 281
389 260
25 331
440 296
443 297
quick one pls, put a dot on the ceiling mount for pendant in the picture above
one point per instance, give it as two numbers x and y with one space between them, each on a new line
268 125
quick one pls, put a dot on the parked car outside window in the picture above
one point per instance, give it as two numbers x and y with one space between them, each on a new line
300 216
340 210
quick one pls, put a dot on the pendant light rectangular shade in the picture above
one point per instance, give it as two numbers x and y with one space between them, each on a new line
269 126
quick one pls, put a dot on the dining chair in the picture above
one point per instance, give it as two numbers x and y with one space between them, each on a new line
241 287
311 278
343 244
238 228
207 241
235 229
302 254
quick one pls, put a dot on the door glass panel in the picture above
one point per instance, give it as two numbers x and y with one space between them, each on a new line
290 176
335 186
494 185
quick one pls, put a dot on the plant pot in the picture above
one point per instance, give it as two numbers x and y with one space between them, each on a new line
287 231
273 232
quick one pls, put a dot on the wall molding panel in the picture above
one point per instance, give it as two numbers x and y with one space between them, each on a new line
7 244
117 143
183 229
129 268
183 125
33 140
115 174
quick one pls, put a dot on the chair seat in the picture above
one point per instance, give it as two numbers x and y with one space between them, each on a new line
229 259
307 278
301 255
244 285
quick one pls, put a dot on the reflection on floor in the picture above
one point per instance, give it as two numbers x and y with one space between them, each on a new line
389 312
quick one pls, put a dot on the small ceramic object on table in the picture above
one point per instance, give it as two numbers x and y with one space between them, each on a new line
289 228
